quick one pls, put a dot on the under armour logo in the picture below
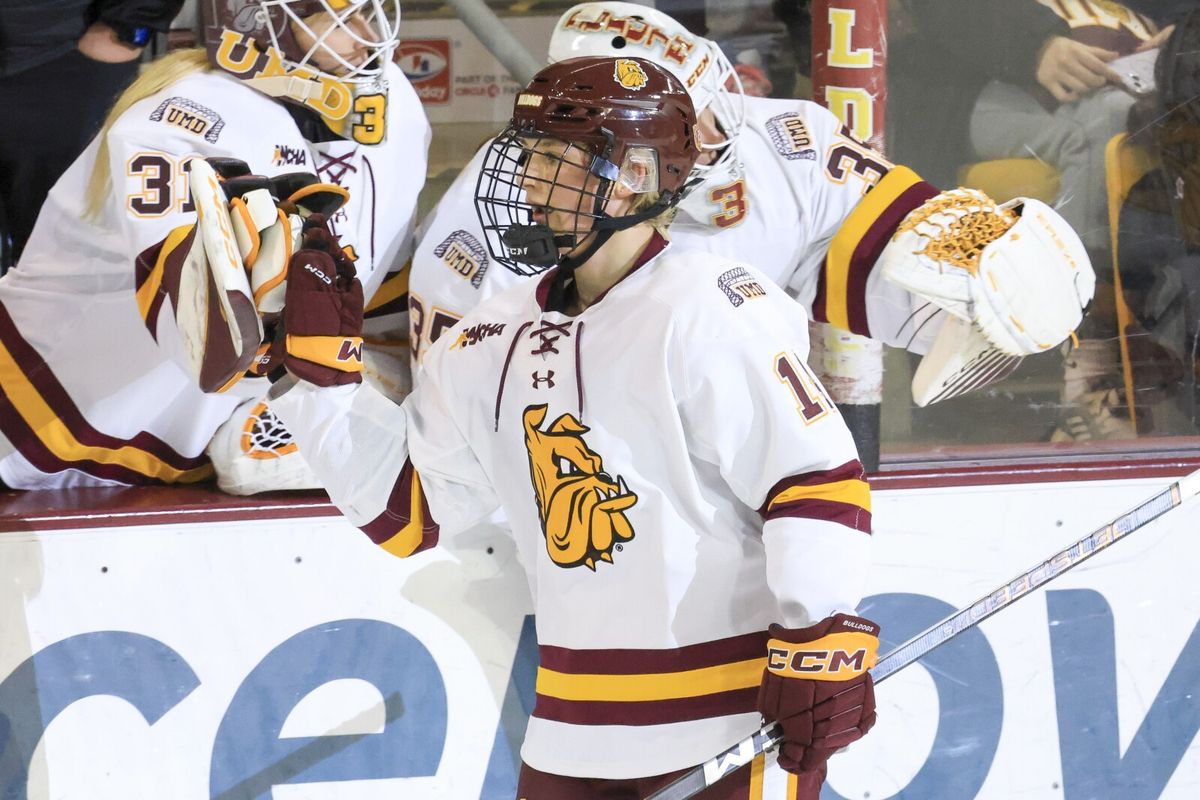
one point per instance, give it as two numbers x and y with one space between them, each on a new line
538 380
549 333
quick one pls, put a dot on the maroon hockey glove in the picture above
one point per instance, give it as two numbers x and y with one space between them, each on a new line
323 311
817 687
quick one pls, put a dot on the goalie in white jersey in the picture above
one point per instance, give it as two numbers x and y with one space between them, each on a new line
686 501
783 185
91 346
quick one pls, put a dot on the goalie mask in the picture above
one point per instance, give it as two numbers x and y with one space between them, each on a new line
1177 130
325 55
579 129
628 30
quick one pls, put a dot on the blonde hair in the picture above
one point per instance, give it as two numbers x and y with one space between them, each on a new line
157 76
646 199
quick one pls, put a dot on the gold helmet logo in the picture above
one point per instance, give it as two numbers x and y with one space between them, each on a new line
630 74
581 508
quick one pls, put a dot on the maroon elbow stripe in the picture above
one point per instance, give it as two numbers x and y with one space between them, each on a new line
875 234
406 522
847 514
839 495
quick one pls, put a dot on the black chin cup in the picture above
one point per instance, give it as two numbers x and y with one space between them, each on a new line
539 246
535 245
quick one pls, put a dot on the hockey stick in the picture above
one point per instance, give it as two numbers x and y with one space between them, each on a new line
699 778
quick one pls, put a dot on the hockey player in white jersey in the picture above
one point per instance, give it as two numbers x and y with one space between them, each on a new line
92 387
686 501
784 186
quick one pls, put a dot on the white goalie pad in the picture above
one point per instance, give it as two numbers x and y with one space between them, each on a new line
268 273
1017 271
253 452
266 237
961 360
249 214
214 309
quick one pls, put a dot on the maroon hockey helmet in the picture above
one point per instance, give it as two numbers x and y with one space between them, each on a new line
300 51
629 120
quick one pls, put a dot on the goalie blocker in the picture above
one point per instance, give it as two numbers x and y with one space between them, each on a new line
225 276
1014 280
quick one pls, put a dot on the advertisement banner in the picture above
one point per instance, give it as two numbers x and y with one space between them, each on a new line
293 659
456 77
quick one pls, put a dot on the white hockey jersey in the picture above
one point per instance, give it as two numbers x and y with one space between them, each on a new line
675 480
88 397
805 203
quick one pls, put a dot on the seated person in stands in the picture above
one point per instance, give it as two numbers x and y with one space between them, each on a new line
1032 79
1159 238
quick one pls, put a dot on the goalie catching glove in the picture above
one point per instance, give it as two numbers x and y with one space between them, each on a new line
225 275
816 685
323 312
1015 274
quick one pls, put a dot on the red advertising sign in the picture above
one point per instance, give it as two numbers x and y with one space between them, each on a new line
426 64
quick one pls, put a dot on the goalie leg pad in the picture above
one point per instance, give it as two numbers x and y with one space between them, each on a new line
253 452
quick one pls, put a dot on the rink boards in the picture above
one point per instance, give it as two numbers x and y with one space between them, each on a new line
253 656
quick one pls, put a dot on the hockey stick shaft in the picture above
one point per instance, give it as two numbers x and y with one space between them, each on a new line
745 751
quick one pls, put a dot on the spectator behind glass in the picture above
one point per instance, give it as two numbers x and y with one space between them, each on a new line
1025 79
62 62
1158 243
1031 79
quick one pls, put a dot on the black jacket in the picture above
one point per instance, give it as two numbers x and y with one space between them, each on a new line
35 32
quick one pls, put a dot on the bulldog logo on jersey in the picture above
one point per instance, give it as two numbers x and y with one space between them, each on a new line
581 508
630 74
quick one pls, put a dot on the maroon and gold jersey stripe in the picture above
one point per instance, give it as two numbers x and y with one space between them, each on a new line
44 424
838 495
392 295
156 273
650 687
405 526
841 298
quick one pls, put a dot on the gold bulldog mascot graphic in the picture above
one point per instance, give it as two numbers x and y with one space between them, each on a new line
582 509
630 74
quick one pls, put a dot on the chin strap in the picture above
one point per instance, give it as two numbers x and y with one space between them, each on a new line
539 245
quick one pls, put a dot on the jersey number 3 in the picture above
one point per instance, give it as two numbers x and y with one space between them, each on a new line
163 185
734 204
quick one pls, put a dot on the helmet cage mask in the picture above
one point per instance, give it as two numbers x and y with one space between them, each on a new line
256 41
723 95
375 18
528 247
581 127
623 30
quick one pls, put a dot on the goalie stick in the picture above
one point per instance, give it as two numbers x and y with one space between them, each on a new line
699 778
